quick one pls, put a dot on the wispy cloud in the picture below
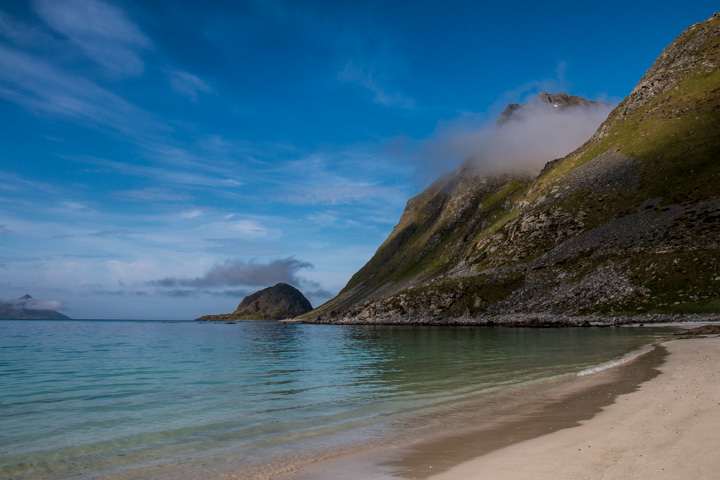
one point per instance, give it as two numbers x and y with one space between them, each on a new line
188 84
371 79
235 272
150 195
190 214
120 293
4 230
334 178
528 90
165 174
39 86
102 31
73 206
236 246
340 193
22 34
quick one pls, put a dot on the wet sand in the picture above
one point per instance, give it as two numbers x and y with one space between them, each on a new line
667 429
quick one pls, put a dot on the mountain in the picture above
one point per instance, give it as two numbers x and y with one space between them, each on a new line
26 308
627 224
273 303
546 101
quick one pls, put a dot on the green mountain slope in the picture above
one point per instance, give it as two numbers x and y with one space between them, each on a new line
628 223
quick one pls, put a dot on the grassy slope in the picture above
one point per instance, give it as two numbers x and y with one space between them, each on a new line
434 233
676 137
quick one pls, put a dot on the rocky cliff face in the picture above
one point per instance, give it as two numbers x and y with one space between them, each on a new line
629 223
25 308
273 303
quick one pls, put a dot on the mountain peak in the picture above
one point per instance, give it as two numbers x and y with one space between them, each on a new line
548 102
26 307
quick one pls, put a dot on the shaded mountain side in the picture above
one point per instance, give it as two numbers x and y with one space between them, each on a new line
23 309
273 303
432 233
628 223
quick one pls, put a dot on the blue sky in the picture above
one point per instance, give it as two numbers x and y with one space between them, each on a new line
162 159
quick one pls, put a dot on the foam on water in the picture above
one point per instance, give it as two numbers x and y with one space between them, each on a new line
628 357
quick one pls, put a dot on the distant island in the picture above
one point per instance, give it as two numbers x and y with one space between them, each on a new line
278 302
24 308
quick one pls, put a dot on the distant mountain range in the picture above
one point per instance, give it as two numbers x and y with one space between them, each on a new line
629 223
26 308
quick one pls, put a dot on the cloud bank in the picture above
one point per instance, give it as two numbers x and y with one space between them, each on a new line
524 144
234 272
33 304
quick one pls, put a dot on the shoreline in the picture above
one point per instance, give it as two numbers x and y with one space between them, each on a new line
557 407
664 430
528 320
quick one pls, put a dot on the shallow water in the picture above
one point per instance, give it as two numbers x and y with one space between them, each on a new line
89 399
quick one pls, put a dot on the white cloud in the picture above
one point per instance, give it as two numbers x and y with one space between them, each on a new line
526 143
150 195
371 79
247 228
39 86
102 31
349 176
190 214
188 84
22 34
234 272
73 206
343 192
164 174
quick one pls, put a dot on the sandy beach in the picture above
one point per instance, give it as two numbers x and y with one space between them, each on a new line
667 429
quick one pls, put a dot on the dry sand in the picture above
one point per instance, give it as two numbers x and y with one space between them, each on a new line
668 429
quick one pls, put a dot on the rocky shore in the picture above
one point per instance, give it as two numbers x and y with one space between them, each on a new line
539 320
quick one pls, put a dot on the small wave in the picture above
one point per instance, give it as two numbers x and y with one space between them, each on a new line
628 357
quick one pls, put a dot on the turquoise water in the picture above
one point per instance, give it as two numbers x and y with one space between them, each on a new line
119 399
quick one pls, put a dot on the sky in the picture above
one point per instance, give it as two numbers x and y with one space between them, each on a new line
162 159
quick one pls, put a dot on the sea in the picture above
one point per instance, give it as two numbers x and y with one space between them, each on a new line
87 399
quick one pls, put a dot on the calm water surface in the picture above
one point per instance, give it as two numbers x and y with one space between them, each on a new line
90 399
